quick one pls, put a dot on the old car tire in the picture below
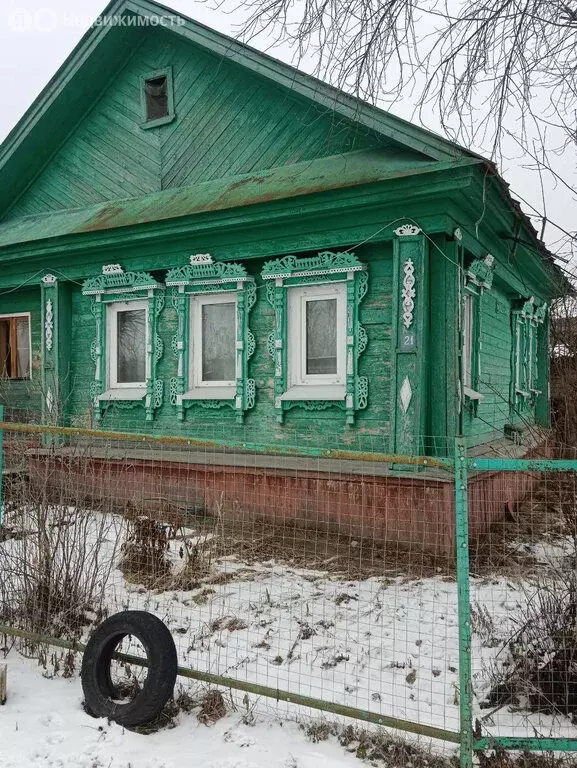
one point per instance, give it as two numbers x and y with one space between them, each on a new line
99 691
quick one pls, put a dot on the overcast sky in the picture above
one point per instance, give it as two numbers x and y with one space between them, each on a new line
36 37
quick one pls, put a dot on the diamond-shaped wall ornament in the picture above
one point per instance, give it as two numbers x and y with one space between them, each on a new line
406 395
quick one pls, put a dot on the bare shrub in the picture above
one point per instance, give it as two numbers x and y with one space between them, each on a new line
55 568
144 551
212 707
538 671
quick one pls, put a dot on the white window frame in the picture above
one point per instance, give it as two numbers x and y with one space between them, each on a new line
199 388
471 350
8 316
315 386
129 389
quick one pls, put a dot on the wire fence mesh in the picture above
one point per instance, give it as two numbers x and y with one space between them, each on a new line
301 574
524 609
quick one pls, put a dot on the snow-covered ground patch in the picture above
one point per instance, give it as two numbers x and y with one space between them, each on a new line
43 725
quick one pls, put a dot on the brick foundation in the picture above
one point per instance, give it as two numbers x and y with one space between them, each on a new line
413 511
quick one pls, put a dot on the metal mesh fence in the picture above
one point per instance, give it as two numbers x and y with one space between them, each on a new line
524 607
299 577
328 579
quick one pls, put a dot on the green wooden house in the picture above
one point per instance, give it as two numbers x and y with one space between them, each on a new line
197 239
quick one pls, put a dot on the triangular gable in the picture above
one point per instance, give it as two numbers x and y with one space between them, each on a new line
239 111
228 122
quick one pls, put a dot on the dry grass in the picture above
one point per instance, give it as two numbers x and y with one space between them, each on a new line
546 515
251 539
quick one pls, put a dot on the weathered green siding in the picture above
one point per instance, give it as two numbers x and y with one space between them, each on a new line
319 428
227 123
442 391
494 411
24 396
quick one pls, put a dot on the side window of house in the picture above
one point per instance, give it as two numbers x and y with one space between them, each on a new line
526 322
317 338
15 346
478 279
127 323
470 341
213 334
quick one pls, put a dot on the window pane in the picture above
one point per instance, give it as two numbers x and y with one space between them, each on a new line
321 336
131 360
218 342
22 347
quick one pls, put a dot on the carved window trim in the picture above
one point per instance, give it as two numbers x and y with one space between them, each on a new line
525 322
292 271
478 278
201 277
112 286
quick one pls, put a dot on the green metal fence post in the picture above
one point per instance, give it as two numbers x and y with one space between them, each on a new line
1 461
464 603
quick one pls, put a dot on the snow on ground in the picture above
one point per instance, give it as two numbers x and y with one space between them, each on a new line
43 725
382 644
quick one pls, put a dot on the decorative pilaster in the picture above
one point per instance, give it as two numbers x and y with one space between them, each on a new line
56 329
409 335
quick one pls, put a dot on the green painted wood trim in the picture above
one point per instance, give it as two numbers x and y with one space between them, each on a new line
464 603
204 276
410 339
478 277
56 314
291 271
114 284
522 465
267 205
525 744
517 265
543 363
526 356
169 117
240 445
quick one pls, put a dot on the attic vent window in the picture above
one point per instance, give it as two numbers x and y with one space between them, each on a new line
156 93
157 99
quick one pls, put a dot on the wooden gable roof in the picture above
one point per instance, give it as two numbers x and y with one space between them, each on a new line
60 154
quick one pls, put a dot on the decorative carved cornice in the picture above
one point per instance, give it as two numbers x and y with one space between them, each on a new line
480 271
324 263
114 278
205 271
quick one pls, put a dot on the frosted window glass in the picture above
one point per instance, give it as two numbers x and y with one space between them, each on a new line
321 335
23 347
131 359
218 342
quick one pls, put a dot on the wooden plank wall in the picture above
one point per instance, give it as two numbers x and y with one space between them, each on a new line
319 428
227 123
